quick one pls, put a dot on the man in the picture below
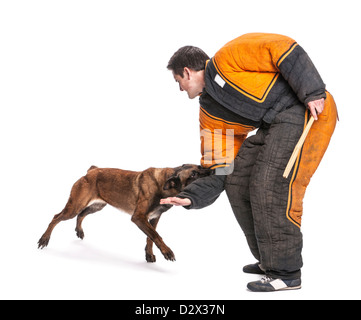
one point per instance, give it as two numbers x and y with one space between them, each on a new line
263 81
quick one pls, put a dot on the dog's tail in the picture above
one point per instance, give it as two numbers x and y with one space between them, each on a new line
92 167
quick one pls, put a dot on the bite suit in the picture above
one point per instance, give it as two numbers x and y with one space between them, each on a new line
264 82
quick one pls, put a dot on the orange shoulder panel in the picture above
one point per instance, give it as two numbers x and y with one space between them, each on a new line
250 63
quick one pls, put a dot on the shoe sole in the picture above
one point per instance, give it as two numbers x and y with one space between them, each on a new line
255 272
283 289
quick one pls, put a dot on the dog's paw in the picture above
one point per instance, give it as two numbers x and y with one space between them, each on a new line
80 234
150 257
169 255
43 242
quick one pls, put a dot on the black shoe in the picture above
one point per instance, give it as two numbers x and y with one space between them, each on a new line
253 268
268 284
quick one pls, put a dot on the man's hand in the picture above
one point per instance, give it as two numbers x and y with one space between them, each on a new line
176 201
316 107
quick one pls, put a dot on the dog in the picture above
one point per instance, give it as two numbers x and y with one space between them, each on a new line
136 193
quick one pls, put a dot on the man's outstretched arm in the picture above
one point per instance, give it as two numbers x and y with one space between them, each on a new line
199 194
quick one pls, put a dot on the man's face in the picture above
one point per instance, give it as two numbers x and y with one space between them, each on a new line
192 82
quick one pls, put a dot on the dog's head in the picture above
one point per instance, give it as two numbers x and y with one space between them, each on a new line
185 175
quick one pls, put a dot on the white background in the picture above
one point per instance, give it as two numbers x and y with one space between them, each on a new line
85 83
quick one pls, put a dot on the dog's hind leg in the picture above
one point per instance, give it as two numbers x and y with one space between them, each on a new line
64 215
44 240
79 198
95 207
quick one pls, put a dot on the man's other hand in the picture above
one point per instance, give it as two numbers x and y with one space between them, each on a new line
316 107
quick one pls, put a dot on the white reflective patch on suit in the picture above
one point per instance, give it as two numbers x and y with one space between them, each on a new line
219 81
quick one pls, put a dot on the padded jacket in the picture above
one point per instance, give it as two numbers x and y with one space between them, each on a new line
248 82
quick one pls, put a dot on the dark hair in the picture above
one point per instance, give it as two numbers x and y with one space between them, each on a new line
190 57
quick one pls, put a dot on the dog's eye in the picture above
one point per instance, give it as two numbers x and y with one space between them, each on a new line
194 174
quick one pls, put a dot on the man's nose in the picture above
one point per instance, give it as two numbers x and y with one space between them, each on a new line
180 88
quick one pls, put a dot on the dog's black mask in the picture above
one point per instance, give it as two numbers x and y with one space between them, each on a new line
185 175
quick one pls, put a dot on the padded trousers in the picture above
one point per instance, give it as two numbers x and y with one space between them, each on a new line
267 206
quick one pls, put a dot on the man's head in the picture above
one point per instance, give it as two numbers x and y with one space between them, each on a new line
188 65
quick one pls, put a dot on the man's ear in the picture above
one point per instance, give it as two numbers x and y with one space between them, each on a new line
172 183
187 73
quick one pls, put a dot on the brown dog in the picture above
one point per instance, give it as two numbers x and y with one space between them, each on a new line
137 193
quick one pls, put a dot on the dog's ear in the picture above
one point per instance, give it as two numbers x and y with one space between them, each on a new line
173 183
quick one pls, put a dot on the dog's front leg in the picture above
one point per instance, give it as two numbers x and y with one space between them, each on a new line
140 219
153 220
149 256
